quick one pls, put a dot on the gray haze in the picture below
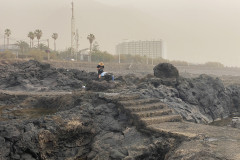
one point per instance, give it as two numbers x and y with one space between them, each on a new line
194 30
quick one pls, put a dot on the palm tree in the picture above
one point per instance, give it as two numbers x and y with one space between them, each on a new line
38 34
43 47
91 38
23 46
7 33
55 36
31 35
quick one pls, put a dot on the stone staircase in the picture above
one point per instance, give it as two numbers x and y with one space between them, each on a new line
145 111
152 116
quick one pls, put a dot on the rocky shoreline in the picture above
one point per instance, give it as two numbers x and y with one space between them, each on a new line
83 123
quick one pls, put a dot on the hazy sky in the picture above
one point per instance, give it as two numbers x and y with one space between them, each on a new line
193 30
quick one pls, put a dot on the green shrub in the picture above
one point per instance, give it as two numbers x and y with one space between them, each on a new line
179 63
214 64
7 55
37 54
104 56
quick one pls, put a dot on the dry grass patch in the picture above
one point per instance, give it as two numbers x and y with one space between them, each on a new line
33 112
222 122
73 124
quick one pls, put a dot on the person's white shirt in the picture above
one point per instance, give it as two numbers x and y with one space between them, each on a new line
103 74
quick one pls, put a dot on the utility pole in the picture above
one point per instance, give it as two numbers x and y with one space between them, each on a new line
4 41
48 49
48 43
148 51
72 30
152 51
77 43
118 50
119 58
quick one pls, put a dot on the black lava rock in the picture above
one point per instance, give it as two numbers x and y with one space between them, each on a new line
165 70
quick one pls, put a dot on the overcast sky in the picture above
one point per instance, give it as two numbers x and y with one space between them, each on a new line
193 30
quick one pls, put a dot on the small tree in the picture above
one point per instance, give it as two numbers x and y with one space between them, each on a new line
65 54
102 56
43 47
214 64
23 46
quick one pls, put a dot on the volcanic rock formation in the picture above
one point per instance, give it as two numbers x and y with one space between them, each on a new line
165 70
154 117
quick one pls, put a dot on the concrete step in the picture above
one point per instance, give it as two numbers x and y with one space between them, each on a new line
146 107
138 101
193 129
161 119
167 128
121 97
152 113
128 97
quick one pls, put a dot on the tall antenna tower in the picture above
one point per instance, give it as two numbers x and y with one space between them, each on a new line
72 30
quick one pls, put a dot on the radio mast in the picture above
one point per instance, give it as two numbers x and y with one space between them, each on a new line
72 30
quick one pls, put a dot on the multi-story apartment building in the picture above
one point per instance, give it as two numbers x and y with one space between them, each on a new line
152 49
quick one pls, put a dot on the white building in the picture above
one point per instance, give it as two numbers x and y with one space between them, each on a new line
83 54
152 49
11 47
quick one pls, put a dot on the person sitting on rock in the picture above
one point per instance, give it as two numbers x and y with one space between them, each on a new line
100 68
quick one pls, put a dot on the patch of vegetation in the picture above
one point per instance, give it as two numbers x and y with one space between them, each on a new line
98 56
33 112
214 64
222 122
7 55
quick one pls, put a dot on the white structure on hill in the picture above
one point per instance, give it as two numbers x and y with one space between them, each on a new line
83 54
11 47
